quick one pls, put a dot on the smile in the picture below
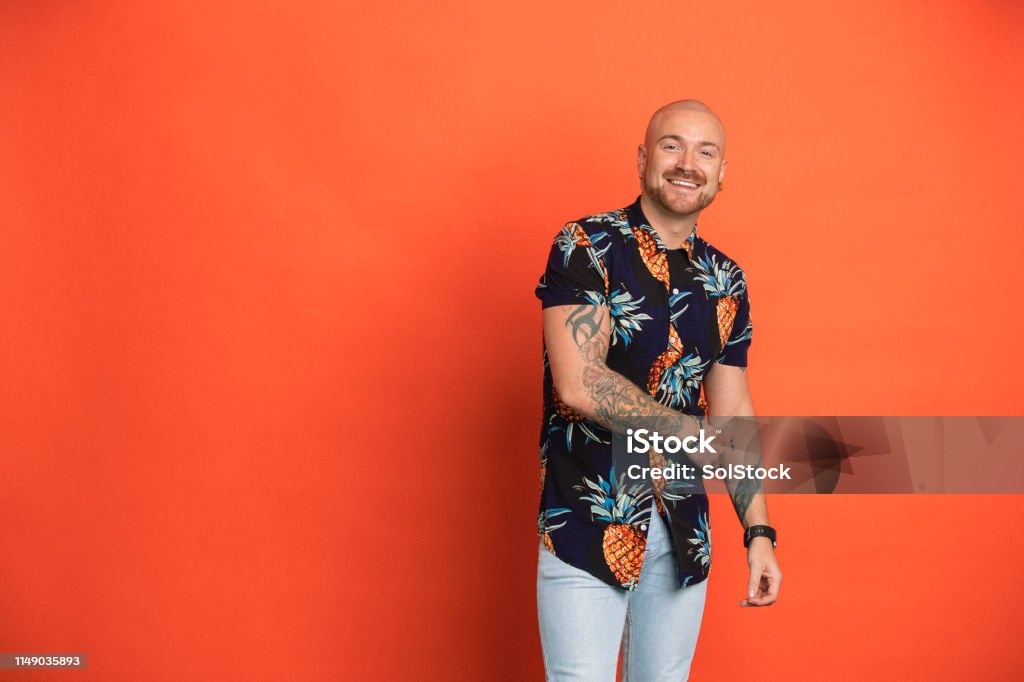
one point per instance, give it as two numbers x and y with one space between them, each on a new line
684 183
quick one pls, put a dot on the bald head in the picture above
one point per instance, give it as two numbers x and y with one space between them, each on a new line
681 162
666 114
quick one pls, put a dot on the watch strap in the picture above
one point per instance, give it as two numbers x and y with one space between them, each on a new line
759 532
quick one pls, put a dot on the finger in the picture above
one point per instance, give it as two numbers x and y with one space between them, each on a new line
754 581
768 594
773 586
756 602
761 600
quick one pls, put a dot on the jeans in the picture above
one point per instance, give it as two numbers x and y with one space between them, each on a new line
583 620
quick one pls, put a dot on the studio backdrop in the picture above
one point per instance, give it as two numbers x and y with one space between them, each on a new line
270 357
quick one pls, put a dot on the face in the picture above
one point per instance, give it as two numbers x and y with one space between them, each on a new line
680 163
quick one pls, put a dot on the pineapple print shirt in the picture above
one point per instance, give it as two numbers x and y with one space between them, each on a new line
673 315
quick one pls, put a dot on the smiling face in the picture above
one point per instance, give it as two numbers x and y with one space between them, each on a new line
681 161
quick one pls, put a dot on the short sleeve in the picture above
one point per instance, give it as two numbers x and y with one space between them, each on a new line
735 350
576 273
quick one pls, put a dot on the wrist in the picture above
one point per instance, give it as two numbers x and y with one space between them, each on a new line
759 533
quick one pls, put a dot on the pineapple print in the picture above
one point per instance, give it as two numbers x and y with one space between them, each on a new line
726 308
580 235
624 552
672 490
544 527
658 461
673 376
664 361
653 258
576 421
573 236
617 219
627 317
622 507
701 543
723 281
688 244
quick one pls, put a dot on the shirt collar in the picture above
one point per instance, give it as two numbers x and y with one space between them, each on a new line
639 220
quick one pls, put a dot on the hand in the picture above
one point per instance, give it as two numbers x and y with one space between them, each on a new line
765 576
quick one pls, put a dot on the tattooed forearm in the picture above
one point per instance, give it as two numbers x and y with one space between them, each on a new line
742 446
621 405
615 402
742 495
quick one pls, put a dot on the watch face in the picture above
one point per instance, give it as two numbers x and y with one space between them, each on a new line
759 531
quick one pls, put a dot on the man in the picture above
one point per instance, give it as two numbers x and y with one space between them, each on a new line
646 325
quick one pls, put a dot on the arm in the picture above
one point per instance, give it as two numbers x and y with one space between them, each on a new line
728 395
577 339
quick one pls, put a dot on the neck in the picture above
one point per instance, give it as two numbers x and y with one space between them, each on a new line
672 228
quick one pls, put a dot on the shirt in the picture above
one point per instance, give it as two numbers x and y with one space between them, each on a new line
673 314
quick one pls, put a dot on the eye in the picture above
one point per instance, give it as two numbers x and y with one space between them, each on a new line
671 147
707 153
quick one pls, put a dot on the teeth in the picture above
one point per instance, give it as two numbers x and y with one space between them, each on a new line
683 183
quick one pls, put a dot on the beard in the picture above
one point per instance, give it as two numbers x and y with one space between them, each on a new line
670 201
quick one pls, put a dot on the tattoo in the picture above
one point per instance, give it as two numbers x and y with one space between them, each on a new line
743 491
743 494
586 322
619 404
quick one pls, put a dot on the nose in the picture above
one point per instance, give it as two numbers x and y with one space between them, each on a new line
686 161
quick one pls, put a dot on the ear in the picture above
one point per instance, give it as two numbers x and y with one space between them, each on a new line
641 159
721 174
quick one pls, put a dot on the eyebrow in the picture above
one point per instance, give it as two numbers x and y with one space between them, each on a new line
702 143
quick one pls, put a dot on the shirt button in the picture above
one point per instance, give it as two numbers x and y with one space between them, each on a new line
643 527
675 291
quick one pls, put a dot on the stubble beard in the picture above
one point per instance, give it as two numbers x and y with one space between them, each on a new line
660 194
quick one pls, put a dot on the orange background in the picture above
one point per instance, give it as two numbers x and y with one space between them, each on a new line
270 356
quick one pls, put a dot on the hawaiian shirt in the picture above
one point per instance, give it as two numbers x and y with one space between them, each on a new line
673 314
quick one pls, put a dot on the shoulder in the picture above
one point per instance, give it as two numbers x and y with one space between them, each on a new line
721 273
602 229
713 252
597 235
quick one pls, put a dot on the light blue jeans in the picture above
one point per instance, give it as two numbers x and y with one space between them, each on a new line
583 620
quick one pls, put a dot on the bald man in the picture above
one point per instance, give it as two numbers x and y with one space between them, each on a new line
646 326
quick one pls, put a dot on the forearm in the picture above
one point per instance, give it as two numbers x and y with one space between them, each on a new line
750 504
607 397
740 444
732 412
617 404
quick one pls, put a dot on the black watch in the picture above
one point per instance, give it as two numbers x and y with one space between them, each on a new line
757 532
